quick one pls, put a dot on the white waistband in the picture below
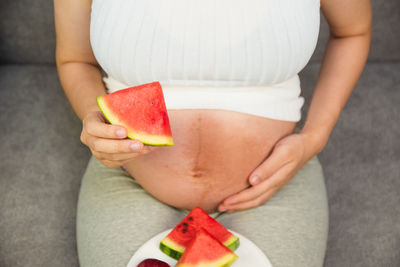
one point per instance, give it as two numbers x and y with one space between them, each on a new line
280 101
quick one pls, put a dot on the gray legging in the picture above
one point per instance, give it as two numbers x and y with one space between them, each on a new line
116 216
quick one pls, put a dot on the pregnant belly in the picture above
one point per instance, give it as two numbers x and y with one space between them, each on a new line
214 153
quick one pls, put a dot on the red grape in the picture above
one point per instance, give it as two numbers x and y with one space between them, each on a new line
153 263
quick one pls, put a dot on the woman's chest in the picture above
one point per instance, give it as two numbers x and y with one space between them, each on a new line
256 42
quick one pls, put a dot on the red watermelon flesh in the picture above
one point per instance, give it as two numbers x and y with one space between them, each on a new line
142 111
205 250
175 242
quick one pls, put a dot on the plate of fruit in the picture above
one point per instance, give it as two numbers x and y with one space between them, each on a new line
199 240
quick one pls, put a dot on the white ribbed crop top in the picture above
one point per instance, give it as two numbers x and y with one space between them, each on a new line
239 55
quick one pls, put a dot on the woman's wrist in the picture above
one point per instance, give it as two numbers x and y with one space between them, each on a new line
91 109
315 141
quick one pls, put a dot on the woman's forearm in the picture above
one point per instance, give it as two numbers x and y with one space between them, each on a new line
82 83
341 67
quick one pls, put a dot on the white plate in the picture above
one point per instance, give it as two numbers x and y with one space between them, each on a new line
249 254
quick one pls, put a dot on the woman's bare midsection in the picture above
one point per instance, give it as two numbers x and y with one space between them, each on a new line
214 153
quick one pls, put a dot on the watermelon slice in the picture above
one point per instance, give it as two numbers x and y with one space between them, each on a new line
142 111
175 242
205 250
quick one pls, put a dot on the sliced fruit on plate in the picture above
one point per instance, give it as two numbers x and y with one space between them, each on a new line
205 250
142 111
175 242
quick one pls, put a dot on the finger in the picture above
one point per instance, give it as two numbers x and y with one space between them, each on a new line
111 164
279 157
115 146
115 160
275 181
96 127
124 156
254 202
117 156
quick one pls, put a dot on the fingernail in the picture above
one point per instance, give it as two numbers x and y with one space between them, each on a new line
255 179
222 208
135 147
120 132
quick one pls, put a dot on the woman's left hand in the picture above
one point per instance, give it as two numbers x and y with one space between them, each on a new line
287 157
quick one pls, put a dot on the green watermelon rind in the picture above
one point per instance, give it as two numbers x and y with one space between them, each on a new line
173 250
233 243
147 139
173 253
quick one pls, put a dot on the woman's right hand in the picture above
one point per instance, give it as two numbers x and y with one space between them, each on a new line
108 143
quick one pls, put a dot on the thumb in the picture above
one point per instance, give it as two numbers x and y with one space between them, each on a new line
273 163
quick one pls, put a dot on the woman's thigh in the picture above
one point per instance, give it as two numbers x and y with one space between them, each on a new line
116 216
292 227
